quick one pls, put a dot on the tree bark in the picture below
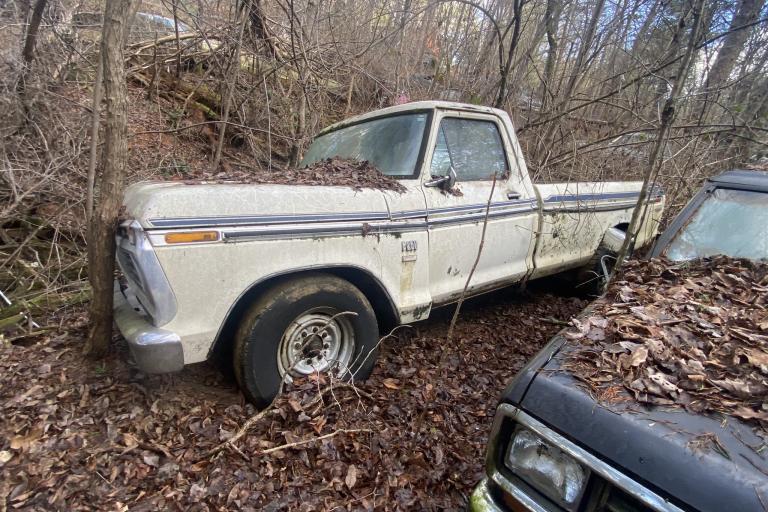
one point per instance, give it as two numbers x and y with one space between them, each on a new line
28 53
517 9
101 239
552 22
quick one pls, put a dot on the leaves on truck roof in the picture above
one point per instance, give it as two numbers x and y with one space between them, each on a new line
691 335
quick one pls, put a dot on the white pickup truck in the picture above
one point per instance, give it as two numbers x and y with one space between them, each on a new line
292 279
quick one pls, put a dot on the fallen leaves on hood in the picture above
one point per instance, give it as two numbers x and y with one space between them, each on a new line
680 334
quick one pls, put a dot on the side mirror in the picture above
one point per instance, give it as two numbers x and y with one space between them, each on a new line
443 182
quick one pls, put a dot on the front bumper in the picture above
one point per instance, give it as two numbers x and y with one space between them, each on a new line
155 350
513 498
482 500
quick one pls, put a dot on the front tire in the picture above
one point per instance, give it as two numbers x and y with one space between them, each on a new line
313 323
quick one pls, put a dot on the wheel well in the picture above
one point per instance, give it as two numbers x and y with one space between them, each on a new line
386 315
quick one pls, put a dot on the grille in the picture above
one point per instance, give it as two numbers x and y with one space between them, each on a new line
128 266
613 499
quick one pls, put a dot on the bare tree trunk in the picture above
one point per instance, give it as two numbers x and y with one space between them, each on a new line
733 44
101 232
576 72
728 55
517 7
28 53
551 21
656 159
176 33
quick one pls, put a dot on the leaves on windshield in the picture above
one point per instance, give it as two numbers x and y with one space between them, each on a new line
691 335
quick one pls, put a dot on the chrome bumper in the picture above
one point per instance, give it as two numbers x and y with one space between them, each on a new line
155 350
481 499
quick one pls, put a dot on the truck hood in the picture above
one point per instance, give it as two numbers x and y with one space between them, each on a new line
670 451
178 204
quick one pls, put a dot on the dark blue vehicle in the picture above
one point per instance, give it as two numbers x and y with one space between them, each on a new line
554 448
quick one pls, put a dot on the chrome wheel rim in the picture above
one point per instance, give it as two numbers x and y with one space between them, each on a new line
318 340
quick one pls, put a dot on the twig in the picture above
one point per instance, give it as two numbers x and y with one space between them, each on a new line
554 321
455 317
246 426
313 440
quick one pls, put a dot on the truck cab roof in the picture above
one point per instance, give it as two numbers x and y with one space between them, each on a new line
416 106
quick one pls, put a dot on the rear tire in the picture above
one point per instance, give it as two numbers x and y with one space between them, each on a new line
299 327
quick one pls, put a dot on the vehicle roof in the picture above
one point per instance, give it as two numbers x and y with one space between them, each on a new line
415 106
742 177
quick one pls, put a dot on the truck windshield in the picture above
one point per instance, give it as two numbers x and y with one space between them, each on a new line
729 222
391 144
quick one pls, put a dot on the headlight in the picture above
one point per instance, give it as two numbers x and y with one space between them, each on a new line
546 468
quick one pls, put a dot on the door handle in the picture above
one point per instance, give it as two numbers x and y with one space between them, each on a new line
513 195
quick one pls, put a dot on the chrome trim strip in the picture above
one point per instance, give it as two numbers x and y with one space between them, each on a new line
276 226
247 220
409 214
596 207
367 229
482 500
241 220
358 229
565 198
244 220
596 465
520 495
479 216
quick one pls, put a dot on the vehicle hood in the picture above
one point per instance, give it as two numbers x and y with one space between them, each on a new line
180 204
665 449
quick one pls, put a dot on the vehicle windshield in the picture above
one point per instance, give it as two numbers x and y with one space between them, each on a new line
729 222
391 144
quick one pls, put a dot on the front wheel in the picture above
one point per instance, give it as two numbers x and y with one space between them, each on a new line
315 323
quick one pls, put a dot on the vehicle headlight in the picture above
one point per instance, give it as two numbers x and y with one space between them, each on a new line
546 468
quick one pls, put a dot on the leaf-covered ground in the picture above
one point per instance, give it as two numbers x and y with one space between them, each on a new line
80 435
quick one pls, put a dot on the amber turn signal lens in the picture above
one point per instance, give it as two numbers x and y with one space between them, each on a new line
194 236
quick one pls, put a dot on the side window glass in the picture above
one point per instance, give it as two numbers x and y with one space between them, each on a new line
472 147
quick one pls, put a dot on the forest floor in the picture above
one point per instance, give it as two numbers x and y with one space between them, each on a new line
81 434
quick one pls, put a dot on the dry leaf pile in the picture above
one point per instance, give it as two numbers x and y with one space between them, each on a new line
329 172
84 435
692 335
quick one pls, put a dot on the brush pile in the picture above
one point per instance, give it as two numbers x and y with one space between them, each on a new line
691 335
